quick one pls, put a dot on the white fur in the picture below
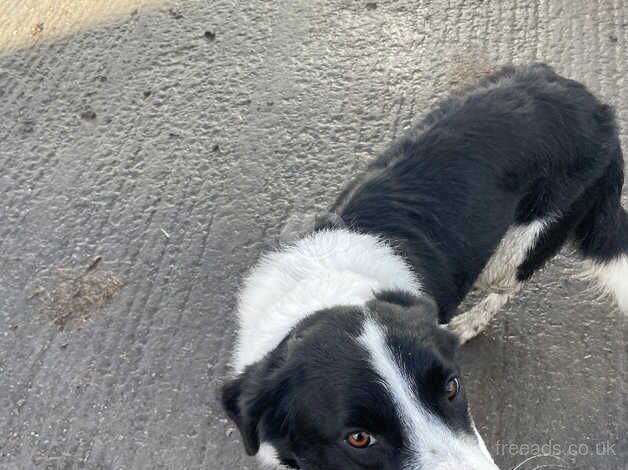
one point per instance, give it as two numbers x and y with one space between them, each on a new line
613 277
267 457
433 445
500 273
325 269
481 442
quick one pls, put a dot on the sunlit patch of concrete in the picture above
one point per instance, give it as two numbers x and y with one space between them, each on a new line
25 23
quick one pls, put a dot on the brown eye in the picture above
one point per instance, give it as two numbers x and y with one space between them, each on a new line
452 388
360 439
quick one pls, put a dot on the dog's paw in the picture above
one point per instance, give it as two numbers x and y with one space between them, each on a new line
464 327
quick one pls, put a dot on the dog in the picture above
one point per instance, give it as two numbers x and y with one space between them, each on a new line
345 356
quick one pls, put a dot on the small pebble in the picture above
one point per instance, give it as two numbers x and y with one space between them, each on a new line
88 115
37 29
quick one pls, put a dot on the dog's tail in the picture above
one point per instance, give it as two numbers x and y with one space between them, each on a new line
602 238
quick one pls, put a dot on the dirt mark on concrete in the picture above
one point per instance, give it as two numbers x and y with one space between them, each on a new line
67 295
467 69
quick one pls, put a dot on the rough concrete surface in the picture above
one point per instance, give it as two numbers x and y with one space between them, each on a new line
174 143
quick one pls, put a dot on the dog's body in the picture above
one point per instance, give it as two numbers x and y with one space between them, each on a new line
339 333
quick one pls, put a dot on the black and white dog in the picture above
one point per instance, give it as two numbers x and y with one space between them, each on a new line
345 353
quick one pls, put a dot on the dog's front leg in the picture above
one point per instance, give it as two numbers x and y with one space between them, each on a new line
469 324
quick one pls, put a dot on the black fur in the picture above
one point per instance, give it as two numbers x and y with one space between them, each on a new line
525 144
522 145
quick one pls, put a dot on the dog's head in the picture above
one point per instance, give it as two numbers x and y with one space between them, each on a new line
360 388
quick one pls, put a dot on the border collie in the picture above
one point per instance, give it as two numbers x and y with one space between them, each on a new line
345 352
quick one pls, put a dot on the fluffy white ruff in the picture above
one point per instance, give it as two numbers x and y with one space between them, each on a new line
433 445
613 278
326 268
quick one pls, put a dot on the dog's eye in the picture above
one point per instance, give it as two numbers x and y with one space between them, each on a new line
360 439
452 388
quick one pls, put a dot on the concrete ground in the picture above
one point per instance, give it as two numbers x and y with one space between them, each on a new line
173 142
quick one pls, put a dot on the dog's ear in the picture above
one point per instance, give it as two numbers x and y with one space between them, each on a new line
256 394
425 303
242 412
424 311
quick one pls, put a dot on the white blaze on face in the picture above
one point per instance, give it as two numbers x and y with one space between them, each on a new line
432 444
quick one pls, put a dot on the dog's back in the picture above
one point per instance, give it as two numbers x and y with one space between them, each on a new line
526 151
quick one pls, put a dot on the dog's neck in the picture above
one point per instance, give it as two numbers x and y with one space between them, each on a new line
325 269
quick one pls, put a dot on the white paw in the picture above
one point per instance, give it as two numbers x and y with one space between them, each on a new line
464 327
